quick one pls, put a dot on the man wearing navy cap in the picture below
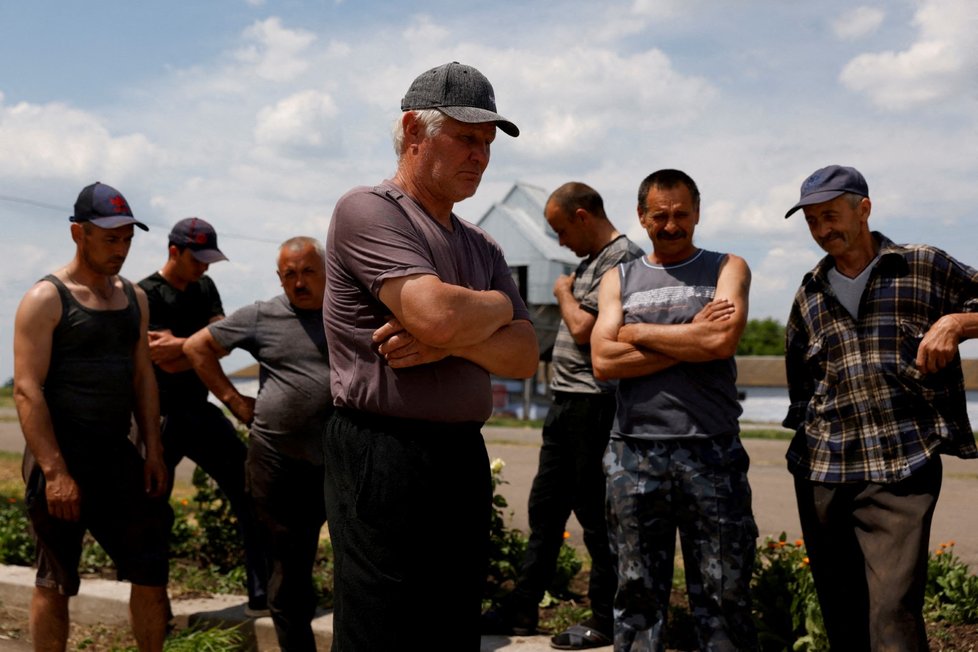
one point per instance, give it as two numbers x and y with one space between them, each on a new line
82 372
182 300
421 307
877 395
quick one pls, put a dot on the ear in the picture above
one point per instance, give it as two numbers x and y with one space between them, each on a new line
413 129
865 208
76 232
582 215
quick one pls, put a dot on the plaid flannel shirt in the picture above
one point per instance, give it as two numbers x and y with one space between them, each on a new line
861 410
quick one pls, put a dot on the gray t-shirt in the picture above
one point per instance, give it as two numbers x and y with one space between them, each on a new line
690 399
572 361
378 234
293 381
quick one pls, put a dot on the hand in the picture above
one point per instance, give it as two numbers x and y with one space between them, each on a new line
63 497
564 285
155 476
401 349
243 408
940 345
716 310
164 347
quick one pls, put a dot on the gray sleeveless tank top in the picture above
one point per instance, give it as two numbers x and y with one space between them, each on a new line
89 388
690 399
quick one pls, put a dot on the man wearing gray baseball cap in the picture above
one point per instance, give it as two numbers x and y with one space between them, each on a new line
420 309
877 395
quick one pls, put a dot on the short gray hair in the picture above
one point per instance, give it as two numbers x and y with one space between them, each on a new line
302 241
430 119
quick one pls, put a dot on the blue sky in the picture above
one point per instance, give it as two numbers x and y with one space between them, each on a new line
258 115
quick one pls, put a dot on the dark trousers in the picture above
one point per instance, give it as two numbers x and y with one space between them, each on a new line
570 477
867 544
206 436
288 495
409 511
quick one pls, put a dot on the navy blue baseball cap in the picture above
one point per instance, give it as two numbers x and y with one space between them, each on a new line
825 184
105 207
458 91
199 237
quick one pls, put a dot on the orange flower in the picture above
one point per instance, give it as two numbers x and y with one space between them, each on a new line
566 534
799 543
805 561
938 552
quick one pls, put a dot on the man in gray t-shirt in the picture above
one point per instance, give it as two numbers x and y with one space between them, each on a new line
285 465
575 435
421 308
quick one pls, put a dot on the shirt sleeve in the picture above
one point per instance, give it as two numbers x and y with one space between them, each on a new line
375 240
238 330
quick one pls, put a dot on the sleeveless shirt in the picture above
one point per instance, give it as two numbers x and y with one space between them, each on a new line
89 385
690 399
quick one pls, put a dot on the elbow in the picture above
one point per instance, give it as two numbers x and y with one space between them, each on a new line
601 370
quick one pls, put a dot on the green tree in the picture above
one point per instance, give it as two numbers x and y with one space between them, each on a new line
762 337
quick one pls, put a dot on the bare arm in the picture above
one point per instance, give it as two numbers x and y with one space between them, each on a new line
940 343
512 351
443 315
204 354
166 349
610 357
37 316
714 333
579 321
147 406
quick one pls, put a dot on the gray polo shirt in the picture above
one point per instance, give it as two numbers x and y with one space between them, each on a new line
378 234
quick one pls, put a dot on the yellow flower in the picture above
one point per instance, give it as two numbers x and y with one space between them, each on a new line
496 466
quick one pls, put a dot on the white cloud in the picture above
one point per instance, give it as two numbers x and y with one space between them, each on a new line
858 22
939 65
300 122
275 52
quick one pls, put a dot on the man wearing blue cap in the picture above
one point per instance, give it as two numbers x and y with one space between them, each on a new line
877 395
82 371
182 300
421 307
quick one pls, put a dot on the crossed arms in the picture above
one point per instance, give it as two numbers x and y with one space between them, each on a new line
620 350
433 320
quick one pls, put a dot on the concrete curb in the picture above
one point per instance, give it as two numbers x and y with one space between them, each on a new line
107 602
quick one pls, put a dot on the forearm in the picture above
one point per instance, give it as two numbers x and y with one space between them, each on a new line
511 351
461 317
692 342
579 321
147 411
612 360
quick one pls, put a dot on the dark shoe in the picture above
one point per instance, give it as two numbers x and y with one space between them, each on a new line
507 622
580 637
257 609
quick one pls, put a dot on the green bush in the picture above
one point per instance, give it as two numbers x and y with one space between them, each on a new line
16 544
952 591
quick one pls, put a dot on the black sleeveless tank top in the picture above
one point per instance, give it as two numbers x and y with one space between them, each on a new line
89 387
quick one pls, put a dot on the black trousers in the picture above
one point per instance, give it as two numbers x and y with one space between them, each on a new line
205 435
570 478
288 495
409 514
868 544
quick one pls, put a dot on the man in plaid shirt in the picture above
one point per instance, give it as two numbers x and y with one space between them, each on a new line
877 395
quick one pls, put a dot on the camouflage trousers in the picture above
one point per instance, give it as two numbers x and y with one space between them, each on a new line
698 487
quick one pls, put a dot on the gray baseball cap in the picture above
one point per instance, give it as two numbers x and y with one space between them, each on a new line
458 91
825 184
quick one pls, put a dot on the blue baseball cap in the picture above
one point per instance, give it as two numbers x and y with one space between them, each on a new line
105 207
825 184
199 237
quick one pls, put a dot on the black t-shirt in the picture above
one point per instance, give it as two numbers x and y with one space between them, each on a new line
183 312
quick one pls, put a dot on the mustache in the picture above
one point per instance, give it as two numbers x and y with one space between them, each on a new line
679 235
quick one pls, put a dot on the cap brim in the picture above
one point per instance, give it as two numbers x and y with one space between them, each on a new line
471 115
815 198
113 222
208 255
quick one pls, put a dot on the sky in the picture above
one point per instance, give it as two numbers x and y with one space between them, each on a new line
257 115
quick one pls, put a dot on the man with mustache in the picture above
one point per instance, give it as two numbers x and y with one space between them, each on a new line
668 326
182 300
285 461
82 371
421 308
877 395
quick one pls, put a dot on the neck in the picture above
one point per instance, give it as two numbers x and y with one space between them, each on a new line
606 232
438 210
169 272
852 263
100 285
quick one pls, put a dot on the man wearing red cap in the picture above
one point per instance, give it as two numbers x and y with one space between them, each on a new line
421 307
182 300
81 373
877 395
